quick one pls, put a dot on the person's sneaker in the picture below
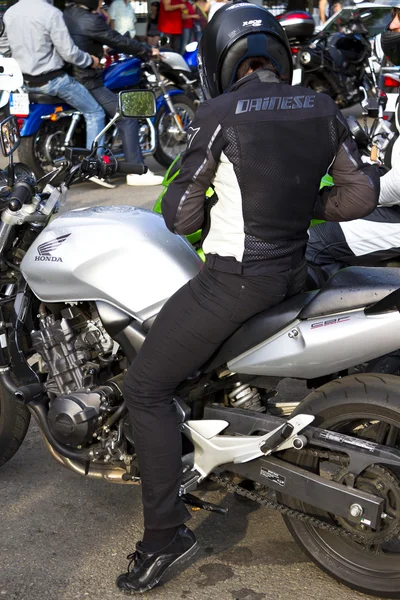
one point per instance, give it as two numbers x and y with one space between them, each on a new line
148 178
147 569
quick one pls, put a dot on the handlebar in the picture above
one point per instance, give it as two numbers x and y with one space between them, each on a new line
105 167
135 169
20 195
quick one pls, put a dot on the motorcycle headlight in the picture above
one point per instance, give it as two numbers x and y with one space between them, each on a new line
305 58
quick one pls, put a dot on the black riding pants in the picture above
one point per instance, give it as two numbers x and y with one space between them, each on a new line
189 328
128 129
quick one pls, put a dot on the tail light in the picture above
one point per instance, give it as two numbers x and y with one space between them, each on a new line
295 50
21 121
390 82
294 15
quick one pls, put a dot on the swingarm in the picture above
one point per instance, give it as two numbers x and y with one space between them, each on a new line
248 447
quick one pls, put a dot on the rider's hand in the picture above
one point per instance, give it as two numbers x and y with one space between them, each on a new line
183 6
95 62
155 53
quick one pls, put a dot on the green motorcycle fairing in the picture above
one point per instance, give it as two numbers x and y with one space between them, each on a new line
195 238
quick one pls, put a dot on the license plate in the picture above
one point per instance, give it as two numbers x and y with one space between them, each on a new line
297 76
19 104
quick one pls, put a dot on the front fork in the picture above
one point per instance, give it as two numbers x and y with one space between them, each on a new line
167 98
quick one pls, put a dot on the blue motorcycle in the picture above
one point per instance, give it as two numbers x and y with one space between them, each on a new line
52 125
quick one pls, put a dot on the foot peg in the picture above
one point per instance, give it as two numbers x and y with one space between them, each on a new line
287 436
198 503
190 479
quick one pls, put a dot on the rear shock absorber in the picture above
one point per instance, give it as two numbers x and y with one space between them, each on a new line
245 396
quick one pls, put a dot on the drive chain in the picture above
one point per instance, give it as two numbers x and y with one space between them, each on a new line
304 517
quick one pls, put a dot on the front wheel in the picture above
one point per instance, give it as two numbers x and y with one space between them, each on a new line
170 141
366 407
14 423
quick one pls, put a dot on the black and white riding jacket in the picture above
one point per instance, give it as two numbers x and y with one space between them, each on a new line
265 146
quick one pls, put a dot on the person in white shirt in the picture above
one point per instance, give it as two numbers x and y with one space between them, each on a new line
123 18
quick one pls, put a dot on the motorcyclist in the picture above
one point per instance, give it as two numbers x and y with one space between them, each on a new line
375 238
41 45
265 146
90 32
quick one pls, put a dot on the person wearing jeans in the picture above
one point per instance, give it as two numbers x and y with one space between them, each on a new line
41 45
91 33
69 90
128 129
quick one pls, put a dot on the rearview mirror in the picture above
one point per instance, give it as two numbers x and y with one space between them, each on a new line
9 136
137 104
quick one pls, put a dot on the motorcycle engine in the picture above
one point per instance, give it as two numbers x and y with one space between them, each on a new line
76 354
73 418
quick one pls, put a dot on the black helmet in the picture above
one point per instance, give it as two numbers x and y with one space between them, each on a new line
236 32
390 42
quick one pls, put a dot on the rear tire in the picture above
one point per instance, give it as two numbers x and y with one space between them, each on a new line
38 151
359 405
14 423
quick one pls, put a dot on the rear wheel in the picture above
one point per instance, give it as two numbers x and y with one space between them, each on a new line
170 141
39 151
366 407
14 423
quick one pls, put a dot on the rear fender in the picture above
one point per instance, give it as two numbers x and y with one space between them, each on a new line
34 119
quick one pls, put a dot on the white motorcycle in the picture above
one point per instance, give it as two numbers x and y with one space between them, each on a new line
71 322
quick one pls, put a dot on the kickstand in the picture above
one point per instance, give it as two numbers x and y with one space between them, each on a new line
198 503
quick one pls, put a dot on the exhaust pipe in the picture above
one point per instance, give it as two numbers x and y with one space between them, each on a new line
106 472
31 395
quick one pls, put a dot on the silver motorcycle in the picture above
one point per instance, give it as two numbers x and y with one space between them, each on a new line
72 322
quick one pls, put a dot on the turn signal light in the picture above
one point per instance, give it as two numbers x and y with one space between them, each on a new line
58 109
20 121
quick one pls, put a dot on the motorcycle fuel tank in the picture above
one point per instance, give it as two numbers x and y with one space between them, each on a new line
122 255
124 73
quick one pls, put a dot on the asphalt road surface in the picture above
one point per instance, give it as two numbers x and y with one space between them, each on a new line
65 538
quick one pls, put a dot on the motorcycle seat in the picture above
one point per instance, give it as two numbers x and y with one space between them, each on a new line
259 328
351 288
44 98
